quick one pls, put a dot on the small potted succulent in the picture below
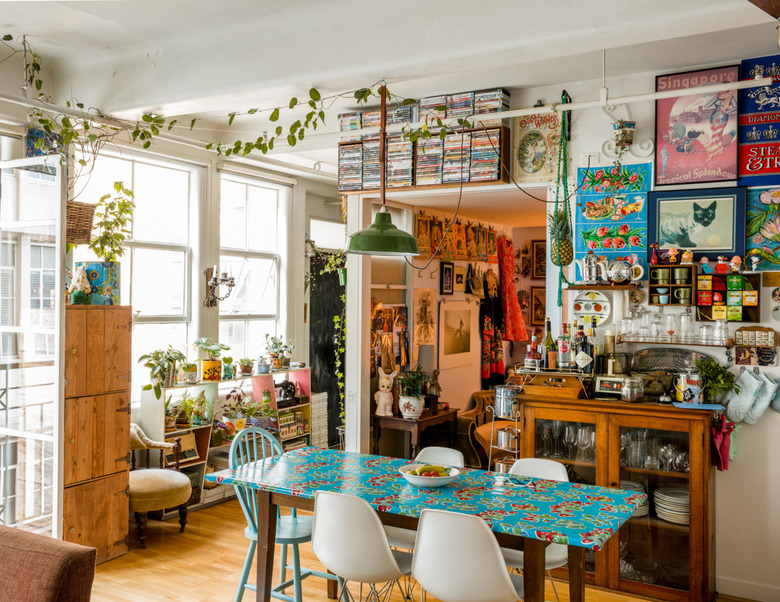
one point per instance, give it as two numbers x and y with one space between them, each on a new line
162 368
277 351
411 400
246 365
188 371
261 413
211 369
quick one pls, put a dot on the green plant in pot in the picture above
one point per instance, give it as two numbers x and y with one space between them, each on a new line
410 398
717 379
171 412
227 368
188 370
265 416
211 368
162 368
246 365
113 217
186 404
277 351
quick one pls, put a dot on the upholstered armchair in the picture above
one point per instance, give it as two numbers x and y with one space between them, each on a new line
154 489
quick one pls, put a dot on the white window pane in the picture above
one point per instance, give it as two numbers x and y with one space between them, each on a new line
246 338
48 257
328 235
232 215
93 184
262 219
161 204
256 286
147 338
158 282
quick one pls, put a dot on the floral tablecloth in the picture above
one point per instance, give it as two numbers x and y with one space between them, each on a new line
565 513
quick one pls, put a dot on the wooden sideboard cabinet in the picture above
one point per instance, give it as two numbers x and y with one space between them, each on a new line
97 427
651 556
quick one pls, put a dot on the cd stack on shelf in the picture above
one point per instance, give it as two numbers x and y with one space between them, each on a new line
350 166
491 101
399 162
485 148
460 105
371 164
428 112
371 119
429 161
349 121
457 151
404 114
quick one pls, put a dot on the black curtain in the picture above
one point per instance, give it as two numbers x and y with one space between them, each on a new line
325 303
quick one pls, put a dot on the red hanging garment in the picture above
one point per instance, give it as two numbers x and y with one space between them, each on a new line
514 325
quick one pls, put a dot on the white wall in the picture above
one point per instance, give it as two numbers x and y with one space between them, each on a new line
748 522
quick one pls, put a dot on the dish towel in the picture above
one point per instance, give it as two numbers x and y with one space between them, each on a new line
776 400
721 442
738 404
733 449
764 396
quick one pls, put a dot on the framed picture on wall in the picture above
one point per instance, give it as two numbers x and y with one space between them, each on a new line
539 259
538 305
458 335
447 277
459 283
423 229
709 221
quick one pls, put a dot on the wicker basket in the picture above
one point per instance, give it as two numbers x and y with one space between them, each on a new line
79 223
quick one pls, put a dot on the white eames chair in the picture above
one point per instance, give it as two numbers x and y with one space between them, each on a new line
457 559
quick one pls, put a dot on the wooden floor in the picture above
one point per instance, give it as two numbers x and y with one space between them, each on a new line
204 563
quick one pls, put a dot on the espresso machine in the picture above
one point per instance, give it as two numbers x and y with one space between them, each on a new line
609 371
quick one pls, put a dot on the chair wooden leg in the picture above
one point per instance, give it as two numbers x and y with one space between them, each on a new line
183 516
140 519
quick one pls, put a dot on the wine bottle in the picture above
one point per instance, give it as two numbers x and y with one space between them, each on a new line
574 333
549 353
585 352
563 343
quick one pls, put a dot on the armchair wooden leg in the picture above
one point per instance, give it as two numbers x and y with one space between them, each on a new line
140 519
182 517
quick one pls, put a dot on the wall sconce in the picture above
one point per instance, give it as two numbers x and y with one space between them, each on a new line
213 280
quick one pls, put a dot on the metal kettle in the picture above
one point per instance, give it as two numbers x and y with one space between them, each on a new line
592 268
621 271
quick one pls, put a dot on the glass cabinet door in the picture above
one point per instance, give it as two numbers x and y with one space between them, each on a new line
654 545
575 440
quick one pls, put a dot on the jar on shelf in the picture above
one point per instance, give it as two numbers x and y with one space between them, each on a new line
633 389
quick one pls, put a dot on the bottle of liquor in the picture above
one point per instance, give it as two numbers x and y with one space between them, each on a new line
585 352
563 344
549 353
532 357
574 333
537 353
593 338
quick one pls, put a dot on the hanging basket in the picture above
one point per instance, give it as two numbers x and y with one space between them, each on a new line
623 131
79 223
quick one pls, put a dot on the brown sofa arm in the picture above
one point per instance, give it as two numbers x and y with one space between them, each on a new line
42 569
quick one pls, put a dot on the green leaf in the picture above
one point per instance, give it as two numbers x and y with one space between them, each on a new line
291 139
409 101
295 126
192 124
314 94
360 94
209 146
66 123
252 111
754 225
293 102
270 144
147 118
7 37
147 144
274 115
171 124
301 134
232 117
312 104
279 130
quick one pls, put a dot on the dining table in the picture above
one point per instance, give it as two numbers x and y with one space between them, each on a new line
524 514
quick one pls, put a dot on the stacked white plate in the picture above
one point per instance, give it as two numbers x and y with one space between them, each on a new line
673 504
633 486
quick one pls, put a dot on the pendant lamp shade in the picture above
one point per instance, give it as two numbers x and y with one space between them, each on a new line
382 238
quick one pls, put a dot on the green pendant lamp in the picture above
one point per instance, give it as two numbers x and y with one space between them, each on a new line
382 237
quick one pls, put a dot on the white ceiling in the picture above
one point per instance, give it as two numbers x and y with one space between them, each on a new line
185 58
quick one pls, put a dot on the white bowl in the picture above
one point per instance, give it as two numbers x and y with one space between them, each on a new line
419 481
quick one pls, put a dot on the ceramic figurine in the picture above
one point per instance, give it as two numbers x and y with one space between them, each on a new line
673 255
654 257
754 262
384 397
722 266
736 264
79 288
687 257
705 265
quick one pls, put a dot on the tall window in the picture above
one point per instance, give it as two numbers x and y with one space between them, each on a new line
252 233
156 266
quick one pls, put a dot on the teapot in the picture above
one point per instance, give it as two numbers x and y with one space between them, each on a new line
591 267
621 271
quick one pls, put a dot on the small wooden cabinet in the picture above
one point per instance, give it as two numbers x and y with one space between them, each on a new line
650 556
96 435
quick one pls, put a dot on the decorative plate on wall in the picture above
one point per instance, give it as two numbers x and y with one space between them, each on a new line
591 304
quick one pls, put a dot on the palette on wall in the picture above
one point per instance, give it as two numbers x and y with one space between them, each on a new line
696 134
610 216
763 227
759 124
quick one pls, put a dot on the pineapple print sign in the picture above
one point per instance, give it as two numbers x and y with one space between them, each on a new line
610 217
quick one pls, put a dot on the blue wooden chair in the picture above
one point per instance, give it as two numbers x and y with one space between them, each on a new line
253 444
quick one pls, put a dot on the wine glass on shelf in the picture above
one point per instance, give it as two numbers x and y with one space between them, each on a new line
583 441
546 438
570 439
625 444
681 462
666 454
557 432
592 443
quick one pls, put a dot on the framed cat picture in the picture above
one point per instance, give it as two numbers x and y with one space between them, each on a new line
709 222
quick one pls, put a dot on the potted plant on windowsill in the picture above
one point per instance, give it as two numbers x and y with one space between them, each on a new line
246 365
410 399
162 368
277 351
210 369
188 371
185 403
171 412
113 217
